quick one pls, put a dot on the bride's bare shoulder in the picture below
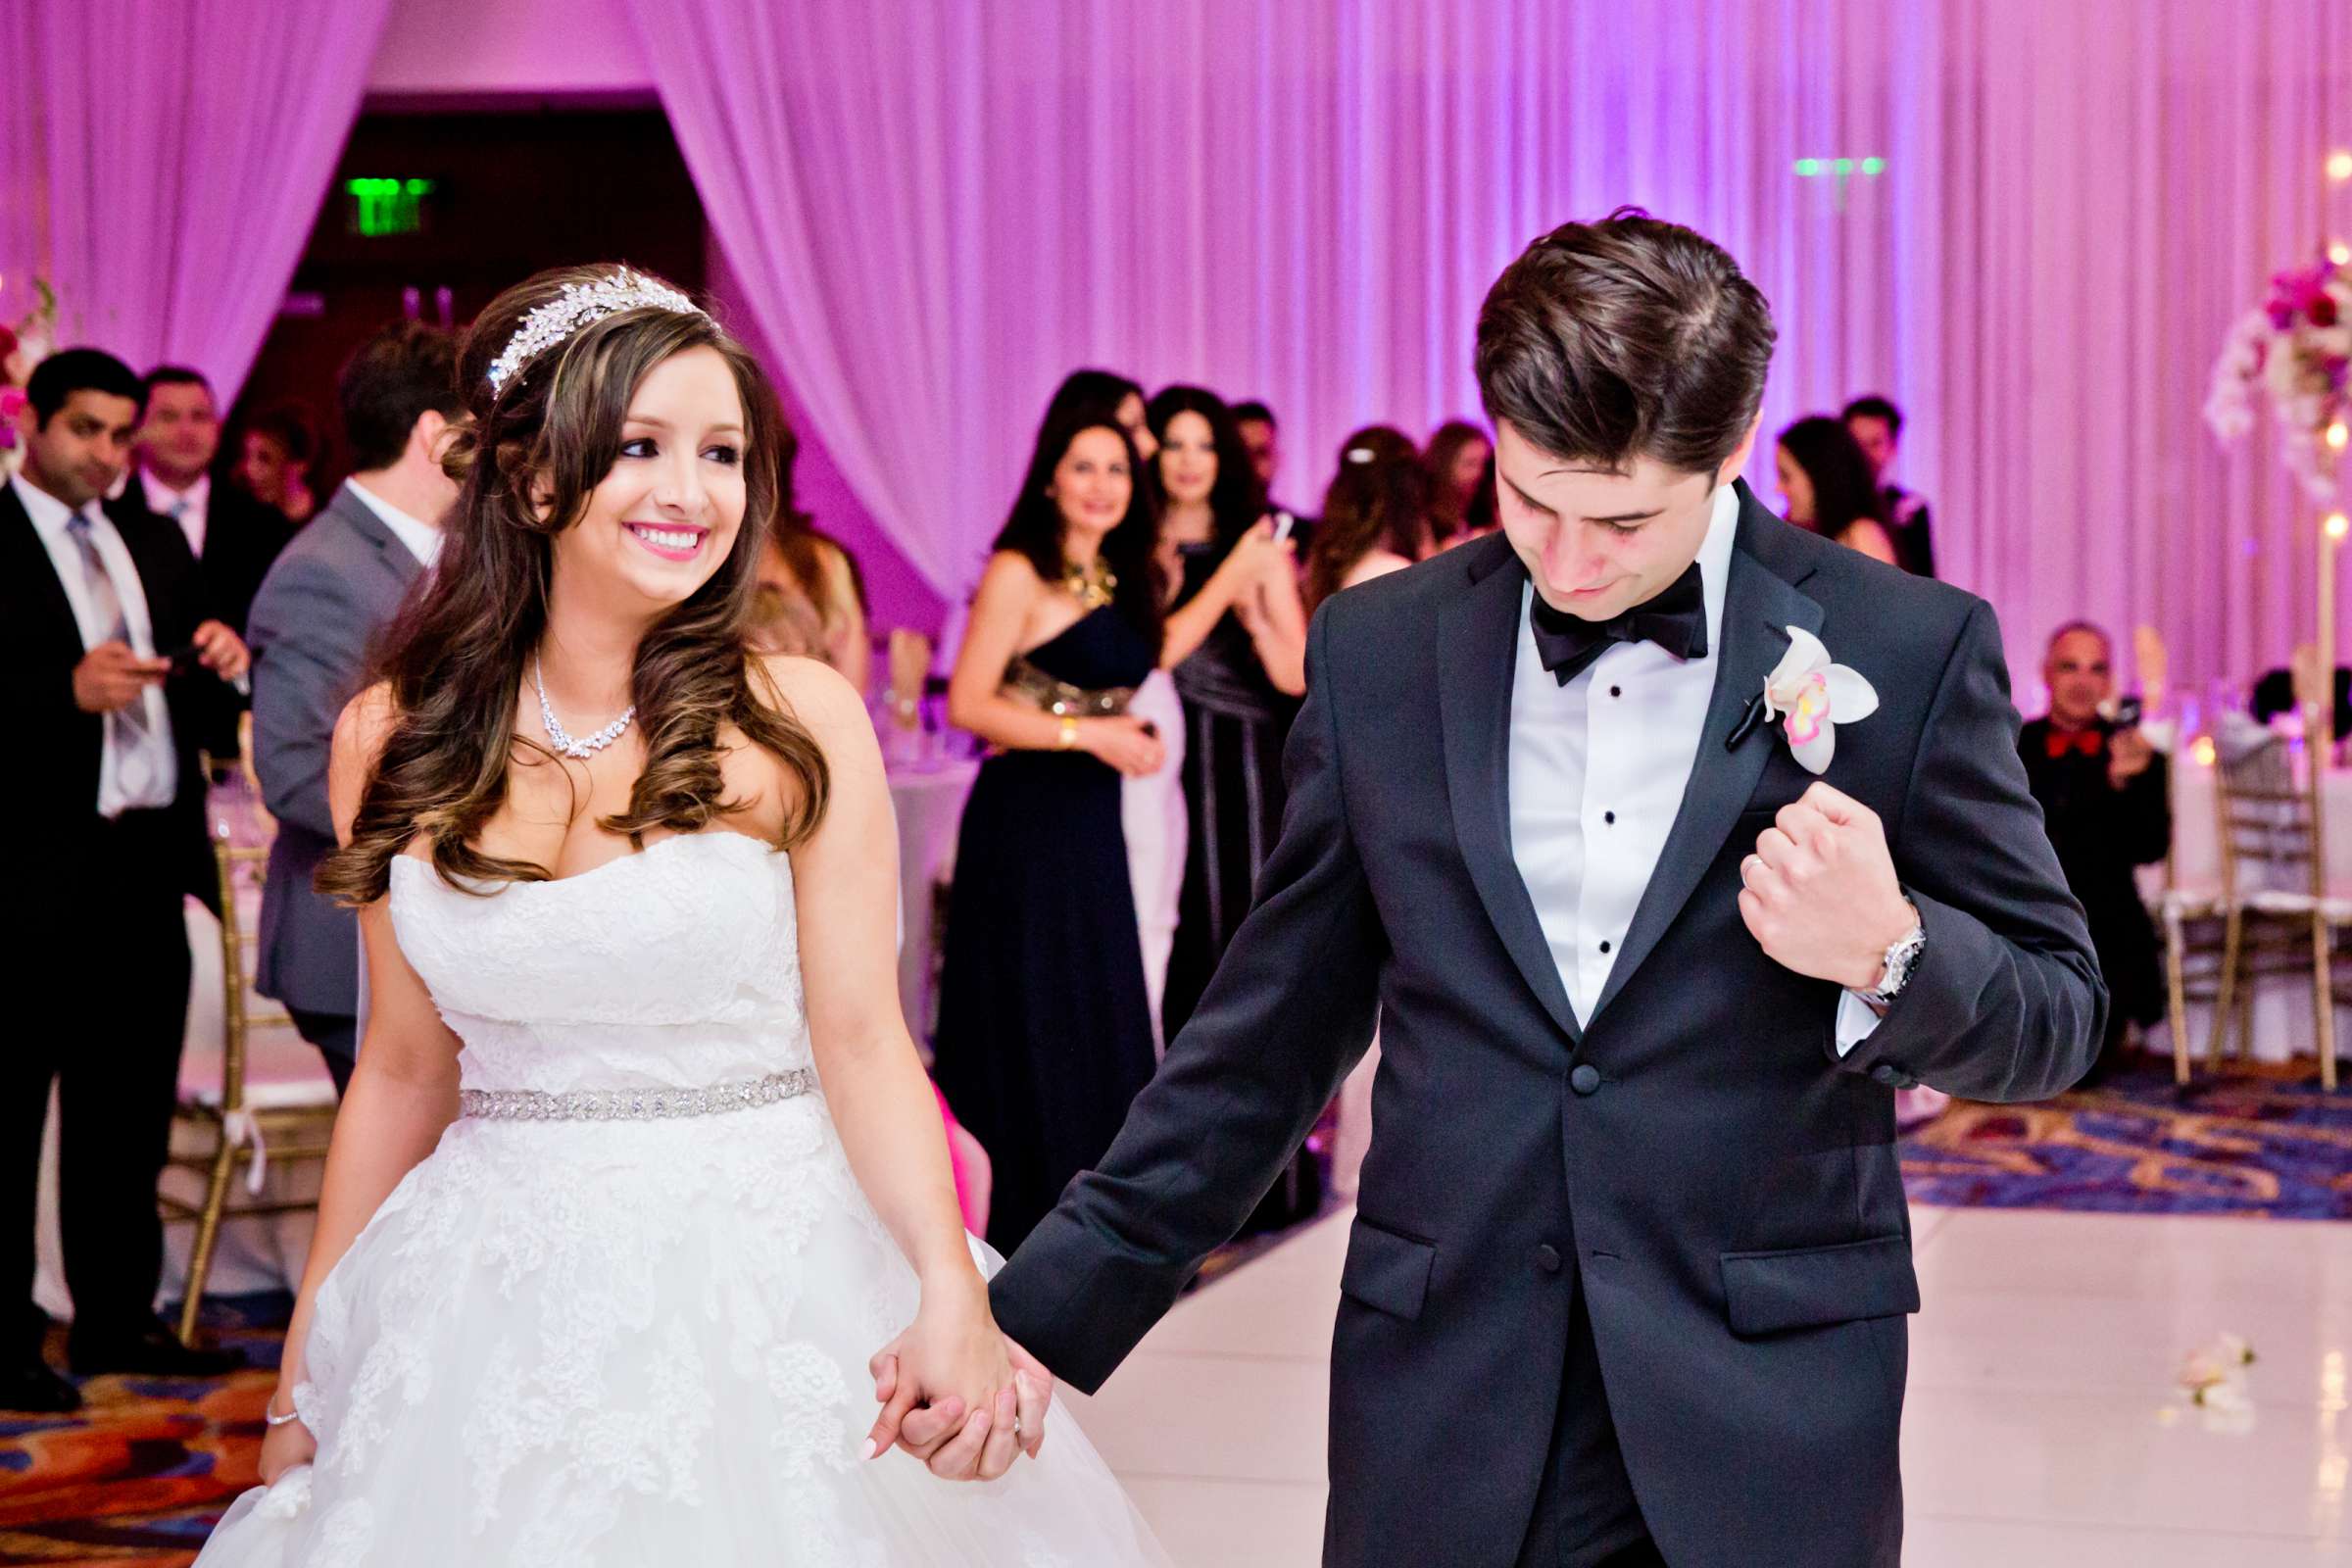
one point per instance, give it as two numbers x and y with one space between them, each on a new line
814 693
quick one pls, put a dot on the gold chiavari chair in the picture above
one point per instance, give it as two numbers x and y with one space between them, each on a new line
2278 913
242 1127
2190 916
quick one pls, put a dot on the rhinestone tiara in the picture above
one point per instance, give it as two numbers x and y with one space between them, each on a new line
578 305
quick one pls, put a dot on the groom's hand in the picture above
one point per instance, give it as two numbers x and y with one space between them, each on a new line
1820 894
957 1445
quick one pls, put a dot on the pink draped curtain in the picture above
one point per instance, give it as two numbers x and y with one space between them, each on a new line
162 162
936 209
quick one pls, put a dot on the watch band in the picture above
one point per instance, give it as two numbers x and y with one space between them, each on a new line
1900 963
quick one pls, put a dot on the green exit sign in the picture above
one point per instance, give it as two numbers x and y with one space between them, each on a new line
380 207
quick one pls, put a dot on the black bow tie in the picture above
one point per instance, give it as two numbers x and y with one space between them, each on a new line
1675 620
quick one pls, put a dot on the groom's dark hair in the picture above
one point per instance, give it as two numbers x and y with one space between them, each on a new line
1630 337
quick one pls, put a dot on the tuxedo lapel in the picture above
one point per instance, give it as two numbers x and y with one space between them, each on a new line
1759 606
1478 643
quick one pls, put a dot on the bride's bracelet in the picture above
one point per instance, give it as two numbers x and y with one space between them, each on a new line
294 1396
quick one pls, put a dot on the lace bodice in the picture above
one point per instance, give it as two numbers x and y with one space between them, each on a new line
677 968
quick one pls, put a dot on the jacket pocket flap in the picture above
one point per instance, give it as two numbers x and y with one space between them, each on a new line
1765 1293
1386 1271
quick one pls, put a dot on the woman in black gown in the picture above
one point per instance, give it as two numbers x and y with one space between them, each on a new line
1044 1033
1240 684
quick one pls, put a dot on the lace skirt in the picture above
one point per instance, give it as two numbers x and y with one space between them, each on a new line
637 1344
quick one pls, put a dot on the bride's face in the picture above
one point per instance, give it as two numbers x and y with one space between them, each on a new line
664 517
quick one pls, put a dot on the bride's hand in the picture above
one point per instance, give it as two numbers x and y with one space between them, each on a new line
285 1447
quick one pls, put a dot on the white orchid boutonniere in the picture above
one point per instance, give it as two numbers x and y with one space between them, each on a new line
1812 697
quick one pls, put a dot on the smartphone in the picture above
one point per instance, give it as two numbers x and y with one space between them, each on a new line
2128 714
1284 522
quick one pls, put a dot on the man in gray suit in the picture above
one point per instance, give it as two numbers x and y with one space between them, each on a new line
320 611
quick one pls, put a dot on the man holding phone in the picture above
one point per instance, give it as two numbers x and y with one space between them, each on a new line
107 802
2106 803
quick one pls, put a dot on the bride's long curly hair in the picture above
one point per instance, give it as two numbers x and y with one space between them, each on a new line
527 459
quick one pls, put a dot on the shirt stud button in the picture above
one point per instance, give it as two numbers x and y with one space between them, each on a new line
1604 947
1609 817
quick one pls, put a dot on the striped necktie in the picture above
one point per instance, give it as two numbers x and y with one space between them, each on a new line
128 729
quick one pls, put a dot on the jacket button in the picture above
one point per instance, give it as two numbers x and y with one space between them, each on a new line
1548 1259
1884 1073
1586 1079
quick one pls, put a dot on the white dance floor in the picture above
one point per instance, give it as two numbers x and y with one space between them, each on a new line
2043 1426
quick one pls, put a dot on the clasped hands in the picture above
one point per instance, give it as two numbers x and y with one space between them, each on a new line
956 1394
1820 894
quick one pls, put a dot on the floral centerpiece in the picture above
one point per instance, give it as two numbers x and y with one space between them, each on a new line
2297 346
21 347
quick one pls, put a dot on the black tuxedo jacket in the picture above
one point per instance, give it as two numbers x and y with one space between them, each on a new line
242 536
1696 1157
52 792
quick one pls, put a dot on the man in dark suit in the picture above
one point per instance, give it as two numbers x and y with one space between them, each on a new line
1632 1260
331 594
1263 439
122 672
1877 426
2107 802
232 536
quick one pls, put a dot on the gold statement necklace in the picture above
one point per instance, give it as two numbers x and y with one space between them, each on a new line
1091 584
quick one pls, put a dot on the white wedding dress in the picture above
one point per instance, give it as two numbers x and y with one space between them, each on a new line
604 1340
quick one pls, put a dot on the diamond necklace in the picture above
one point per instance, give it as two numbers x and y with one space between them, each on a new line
587 746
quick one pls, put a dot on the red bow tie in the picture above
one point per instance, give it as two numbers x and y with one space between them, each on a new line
2090 742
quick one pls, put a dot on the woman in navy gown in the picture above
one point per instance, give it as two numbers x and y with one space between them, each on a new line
1045 1030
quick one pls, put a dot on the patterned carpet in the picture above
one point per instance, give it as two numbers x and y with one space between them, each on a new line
139 1476
2261 1143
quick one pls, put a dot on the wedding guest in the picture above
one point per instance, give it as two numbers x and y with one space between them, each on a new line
1045 1033
119 676
1374 515
1825 486
1877 425
1241 685
1261 436
273 463
811 597
333 591
2105 801
232 536
1455 457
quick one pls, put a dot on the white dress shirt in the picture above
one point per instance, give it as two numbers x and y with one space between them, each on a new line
1598 770
422 539
49 519
187 507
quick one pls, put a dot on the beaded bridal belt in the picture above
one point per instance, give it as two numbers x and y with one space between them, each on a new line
634 1105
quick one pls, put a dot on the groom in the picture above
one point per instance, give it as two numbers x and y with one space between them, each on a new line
1628 1276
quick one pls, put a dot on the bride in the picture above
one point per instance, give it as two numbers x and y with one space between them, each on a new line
639 1160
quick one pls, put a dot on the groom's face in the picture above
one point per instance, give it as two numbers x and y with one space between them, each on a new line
1599 541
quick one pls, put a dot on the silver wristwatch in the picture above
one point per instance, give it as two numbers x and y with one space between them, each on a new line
1901 959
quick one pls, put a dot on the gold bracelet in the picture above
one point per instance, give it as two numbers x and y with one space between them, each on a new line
1066 737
